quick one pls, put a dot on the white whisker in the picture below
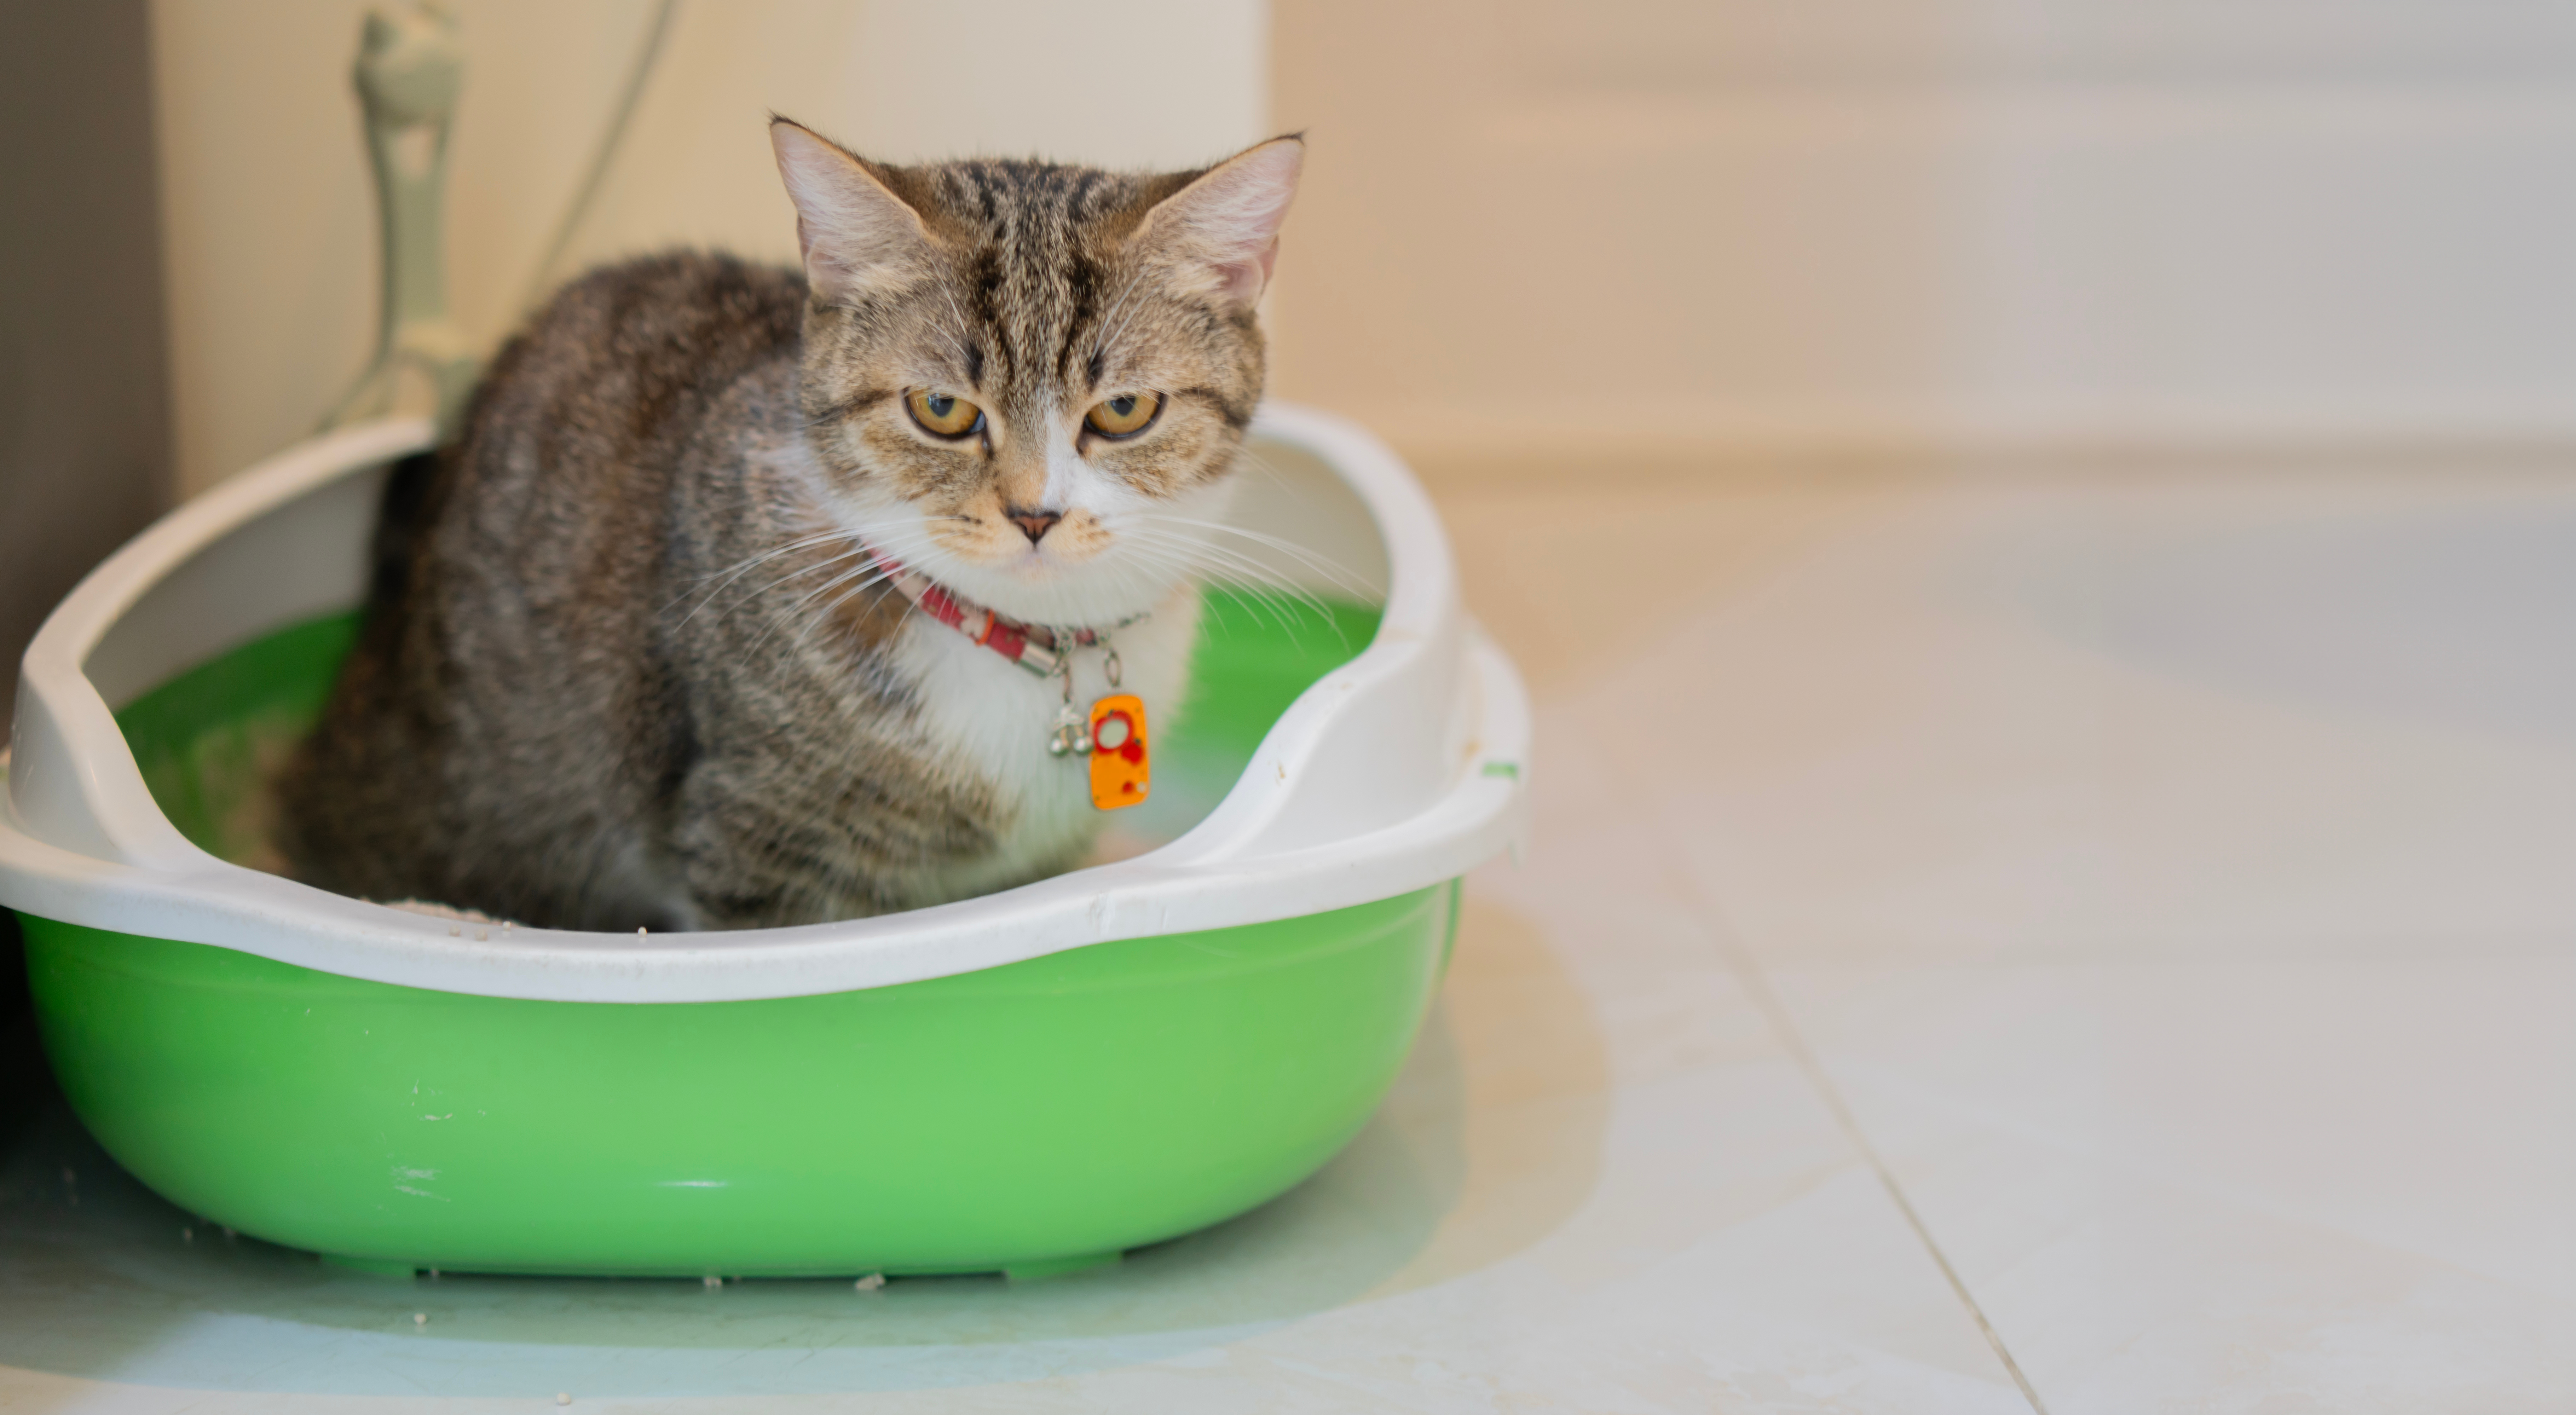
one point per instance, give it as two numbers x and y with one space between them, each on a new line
965 330
1342 577
1100 344
741 568
1252 582
867 576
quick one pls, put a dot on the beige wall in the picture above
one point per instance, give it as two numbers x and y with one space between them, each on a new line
1549 232
1613 231
270 248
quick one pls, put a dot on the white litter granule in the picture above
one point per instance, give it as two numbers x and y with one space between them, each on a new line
715 1282
441 911
870 1283
561 1398
420 1319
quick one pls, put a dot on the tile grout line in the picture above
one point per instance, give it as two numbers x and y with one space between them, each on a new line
1749 975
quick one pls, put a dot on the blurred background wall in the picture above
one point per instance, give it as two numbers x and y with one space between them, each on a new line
84 423
271 246
1541 236
1546 237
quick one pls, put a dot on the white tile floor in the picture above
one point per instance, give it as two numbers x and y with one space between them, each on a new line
2137 914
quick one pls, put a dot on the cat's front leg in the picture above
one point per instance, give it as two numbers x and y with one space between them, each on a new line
769 841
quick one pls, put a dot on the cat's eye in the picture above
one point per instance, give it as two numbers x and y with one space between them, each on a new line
1125 415
943 414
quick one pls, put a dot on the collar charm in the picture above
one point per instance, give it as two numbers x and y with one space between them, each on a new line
1110 736
1121 774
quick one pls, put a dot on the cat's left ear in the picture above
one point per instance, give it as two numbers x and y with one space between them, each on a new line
1226 221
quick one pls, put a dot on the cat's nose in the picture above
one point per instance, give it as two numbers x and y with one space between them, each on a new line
1033 524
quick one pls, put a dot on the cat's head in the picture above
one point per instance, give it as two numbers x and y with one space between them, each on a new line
1032 380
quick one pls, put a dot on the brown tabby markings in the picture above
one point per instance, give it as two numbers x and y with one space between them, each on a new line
584 700
1035 249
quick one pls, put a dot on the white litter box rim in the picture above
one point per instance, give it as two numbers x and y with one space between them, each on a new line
1323 818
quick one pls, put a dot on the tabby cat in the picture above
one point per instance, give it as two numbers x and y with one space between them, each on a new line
634 658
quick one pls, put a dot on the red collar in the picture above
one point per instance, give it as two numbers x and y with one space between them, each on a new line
1035 647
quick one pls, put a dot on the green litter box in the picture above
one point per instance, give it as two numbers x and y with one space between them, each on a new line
1031 1082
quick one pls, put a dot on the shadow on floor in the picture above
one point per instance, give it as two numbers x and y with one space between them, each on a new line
102 1279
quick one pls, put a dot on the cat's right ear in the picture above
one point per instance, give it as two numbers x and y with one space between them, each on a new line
858 238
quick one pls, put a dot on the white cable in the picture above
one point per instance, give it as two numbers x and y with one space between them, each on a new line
541 284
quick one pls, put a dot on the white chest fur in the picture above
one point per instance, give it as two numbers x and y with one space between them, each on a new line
990 718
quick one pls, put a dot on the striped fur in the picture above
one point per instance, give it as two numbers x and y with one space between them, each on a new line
625 667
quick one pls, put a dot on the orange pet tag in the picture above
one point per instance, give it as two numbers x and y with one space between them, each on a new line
1119 771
